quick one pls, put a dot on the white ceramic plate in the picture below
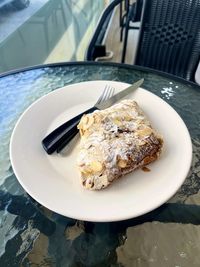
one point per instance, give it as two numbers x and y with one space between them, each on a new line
53 180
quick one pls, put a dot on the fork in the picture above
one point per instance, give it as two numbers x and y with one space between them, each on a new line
63 134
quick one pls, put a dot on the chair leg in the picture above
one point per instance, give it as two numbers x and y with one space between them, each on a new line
122 27
125 42
121 34
124 18
130 13
120 15
121 20
127 5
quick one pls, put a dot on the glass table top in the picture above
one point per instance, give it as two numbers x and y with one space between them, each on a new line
31 235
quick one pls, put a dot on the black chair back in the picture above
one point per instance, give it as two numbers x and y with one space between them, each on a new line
169 37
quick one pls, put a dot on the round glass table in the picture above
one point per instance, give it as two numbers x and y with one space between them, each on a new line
32 235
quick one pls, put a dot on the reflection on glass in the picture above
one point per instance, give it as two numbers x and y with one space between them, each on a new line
46 31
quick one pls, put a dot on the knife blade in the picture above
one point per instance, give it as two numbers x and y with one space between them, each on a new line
112 100
62 135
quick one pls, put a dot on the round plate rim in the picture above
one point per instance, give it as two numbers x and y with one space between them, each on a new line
94 218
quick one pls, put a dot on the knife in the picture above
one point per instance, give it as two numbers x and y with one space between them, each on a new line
61 136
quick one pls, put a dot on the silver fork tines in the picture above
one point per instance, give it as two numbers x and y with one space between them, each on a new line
106 94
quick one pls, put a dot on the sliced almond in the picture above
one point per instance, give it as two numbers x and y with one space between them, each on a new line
79 126
145 132
96 166
86 133
85 171
122 163
139 121
117 122
149 159
81 132
89 184
128 118
84 119
90 121
97 118
141 143
145 169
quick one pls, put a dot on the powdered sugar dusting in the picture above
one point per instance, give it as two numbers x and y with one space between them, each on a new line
110 139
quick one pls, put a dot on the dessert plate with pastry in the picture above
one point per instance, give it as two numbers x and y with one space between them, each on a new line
127 160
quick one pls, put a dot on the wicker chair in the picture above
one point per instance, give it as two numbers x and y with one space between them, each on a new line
169 38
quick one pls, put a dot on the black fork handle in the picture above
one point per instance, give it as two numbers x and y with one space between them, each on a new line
63 134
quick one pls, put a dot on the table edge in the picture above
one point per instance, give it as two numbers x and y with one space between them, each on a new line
112 64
